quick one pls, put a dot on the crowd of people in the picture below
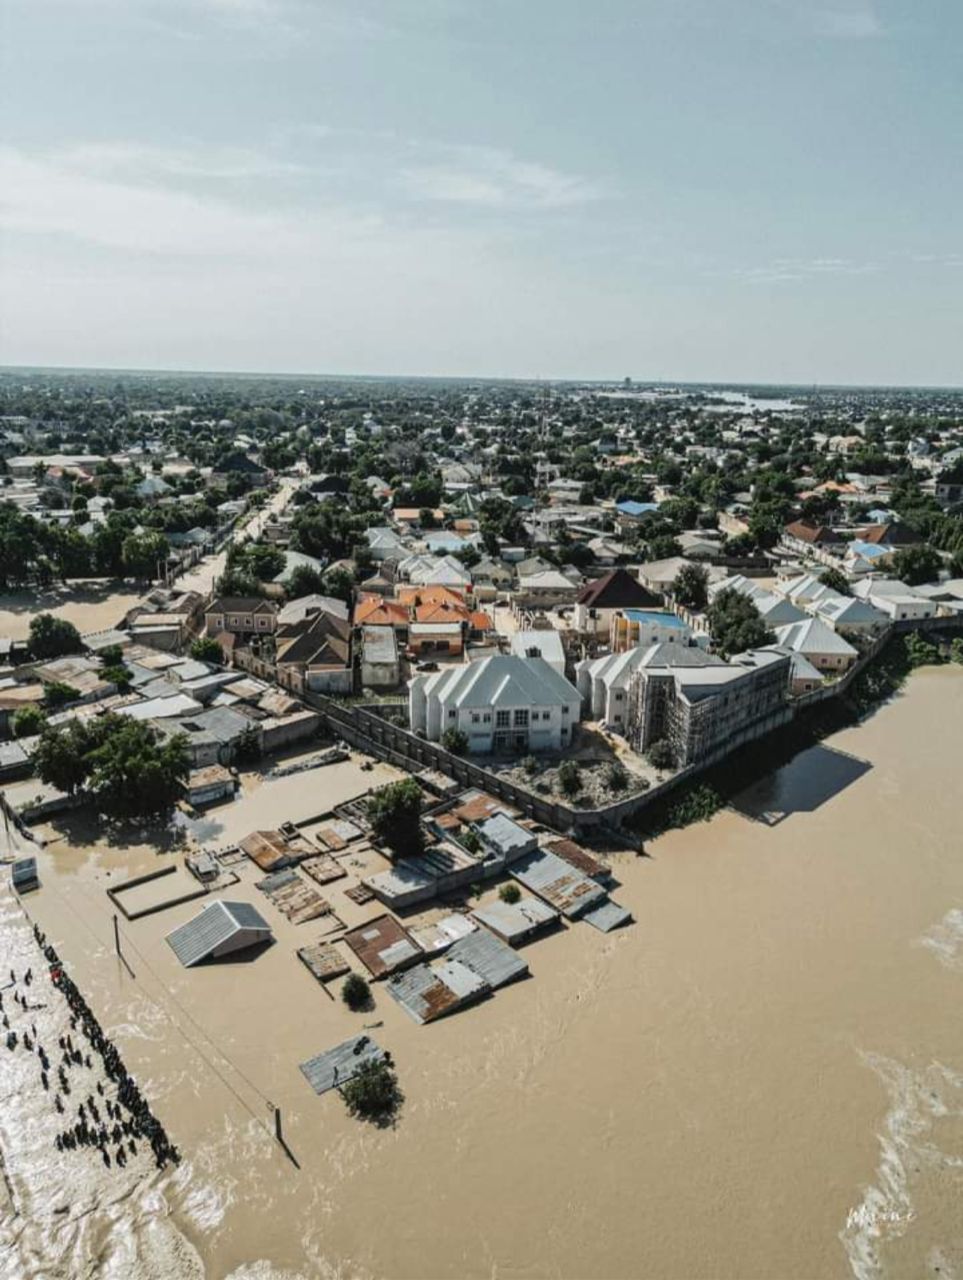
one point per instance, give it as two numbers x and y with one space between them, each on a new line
112 1126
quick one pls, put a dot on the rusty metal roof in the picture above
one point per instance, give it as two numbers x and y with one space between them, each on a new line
429 991
558 882
383 946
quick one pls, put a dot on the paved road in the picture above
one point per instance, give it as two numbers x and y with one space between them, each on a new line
202 576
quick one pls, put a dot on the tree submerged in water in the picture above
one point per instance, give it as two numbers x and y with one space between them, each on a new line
373 1092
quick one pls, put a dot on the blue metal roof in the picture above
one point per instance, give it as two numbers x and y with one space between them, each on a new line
629 507
654 616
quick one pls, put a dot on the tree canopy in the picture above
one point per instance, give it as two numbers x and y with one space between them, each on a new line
395 815
128 771
52 637
735 623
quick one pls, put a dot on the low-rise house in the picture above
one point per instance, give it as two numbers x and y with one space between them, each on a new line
849 615
544 589
380 662
631 628
315 654
598 601
501 703
208 785
806 537
819 644
241 615
894 598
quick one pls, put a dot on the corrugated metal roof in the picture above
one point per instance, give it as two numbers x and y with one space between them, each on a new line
382 945
490 958
337 1066
218 922
515 921
438 936
608 916
558 882
428 992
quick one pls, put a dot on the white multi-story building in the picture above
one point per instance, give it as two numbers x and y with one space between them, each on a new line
503 703
604 682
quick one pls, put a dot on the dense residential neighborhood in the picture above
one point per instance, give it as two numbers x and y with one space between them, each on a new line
509 571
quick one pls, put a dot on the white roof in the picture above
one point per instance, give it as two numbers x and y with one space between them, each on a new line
502 678
548 644
160 708
813 636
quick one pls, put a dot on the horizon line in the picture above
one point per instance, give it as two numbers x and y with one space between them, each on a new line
807 385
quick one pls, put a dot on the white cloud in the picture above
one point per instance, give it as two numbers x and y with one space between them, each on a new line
495 178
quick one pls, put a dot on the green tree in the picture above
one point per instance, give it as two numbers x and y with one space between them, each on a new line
52 637
143 554
60 757
690 586
132 773
735 623
27 722
395 816
303 580
916 564
373 1093
510 892
356 993
57 694
338 583
660 755
836 580
206 649
265 562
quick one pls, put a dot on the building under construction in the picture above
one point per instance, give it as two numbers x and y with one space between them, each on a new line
700 710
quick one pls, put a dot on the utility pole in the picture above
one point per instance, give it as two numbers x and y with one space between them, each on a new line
123 958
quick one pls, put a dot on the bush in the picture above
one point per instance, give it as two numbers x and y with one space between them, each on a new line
58 694
207 650
570 778
616 777
455 741
28 721
373 1094
530 766
660 755
510 892
356 993
471 840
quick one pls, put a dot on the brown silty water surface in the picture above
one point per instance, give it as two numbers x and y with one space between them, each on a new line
763 1076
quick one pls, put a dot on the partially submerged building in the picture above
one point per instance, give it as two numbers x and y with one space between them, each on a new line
221 929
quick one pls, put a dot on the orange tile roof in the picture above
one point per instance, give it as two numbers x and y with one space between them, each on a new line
480 621
441 611
373 611
430 595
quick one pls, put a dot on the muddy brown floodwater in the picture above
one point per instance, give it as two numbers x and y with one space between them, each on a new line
762 1077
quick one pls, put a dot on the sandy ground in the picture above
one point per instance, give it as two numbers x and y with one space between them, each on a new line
763 1076
91 605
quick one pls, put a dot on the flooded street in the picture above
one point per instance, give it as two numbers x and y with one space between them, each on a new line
763 1076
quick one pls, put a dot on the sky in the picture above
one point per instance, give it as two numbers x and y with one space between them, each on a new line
717 190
